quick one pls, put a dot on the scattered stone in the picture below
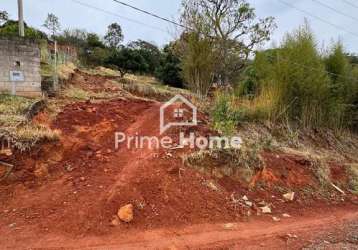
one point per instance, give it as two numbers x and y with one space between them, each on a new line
115 221
292 236
125 213
211 185
82 179
69 168
248 203
289 196
266 210
276 219
12 225
233 199
229 226
262 203
245 198
6 152
248 213
286 216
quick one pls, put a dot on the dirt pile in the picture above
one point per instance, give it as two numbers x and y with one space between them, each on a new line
94 83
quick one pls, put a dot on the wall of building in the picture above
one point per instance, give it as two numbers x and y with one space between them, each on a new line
20 67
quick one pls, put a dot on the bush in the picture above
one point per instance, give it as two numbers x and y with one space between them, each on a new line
296 83
11 29
225 116
169 70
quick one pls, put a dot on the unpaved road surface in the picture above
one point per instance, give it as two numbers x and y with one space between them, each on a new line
65 195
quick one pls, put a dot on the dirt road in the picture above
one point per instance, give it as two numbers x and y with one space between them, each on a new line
65 195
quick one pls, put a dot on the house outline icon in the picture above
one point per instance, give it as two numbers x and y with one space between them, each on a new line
175 99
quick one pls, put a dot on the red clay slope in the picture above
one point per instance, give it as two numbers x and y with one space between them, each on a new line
70 191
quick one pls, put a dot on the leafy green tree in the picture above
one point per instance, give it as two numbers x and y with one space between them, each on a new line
343 90
97 56
149 52
93 40
198 64
233 26
169 70
127 60
52 24
11 29
4 17
114 35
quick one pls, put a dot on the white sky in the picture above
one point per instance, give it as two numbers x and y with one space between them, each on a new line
73 15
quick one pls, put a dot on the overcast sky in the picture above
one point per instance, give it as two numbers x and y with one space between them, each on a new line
73 15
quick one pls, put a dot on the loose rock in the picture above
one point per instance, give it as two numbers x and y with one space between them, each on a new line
266 210
115 221
276 219
126 213
289 196
248 203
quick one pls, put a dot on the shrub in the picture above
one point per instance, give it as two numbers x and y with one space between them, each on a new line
169 70
225 116
296 83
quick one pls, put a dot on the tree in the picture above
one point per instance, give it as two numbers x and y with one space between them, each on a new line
114 35
126 60
11 29
169 69
343 90
93 40
233 26
198 64
52 23
149 52
4 17
76 37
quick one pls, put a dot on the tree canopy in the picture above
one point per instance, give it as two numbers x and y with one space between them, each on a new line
114 35
52 24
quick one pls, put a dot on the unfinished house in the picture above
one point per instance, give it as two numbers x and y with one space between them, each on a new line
20 67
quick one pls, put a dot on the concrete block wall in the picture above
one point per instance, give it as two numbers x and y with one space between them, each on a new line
27 53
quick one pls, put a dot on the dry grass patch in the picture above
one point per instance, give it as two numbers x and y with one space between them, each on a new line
76 93
353 178
21 133
240 164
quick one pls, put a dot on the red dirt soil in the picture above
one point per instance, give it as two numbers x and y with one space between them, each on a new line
68 192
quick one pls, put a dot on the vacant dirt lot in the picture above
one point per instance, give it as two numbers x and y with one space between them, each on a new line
65 195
